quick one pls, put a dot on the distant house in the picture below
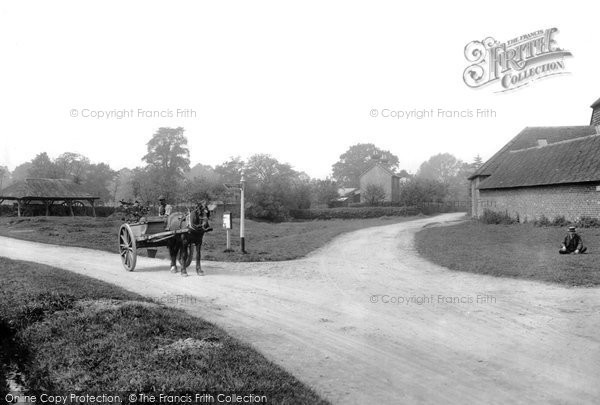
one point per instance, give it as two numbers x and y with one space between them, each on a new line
346 195
382 176
550 171
47 192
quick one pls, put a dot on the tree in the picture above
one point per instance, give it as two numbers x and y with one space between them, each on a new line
21 172
72 166
263 168
477 162
168 159
450 171
205 172
230 171
324 191
144 185
374 194
97 179
273 188
357 159
418 190
442 167
4 177
43 167
120 187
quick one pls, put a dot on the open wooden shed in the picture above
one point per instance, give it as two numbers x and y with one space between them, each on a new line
47 192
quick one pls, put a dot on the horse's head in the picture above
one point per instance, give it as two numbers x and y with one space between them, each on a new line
199 216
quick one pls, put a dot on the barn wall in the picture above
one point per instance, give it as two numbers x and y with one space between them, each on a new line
376 175
395 189
529 203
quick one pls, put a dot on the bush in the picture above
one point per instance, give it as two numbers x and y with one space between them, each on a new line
542 221
588 222
560 221
497 218
353 213
267 206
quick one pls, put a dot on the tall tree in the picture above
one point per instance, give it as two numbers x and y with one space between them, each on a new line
264 168
43 167
450 171
442 167
4 177
21 172
230 170
357 159
97 179
72 166
168 158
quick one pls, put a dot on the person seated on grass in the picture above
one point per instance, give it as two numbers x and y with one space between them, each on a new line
572 243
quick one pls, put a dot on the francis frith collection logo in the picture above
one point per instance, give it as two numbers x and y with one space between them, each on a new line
514 63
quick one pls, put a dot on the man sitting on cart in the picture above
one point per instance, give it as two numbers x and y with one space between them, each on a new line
164 209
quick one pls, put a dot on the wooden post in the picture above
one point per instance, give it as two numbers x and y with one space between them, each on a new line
47 207
242 214
70 204
93 209
18 208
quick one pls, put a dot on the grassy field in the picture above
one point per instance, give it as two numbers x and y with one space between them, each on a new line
66 332
264 241
518 251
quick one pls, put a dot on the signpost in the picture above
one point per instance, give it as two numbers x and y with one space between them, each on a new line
240 186
228 225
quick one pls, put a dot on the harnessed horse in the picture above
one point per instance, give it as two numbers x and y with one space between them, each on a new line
196 222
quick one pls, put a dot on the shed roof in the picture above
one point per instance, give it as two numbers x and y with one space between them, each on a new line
57 189
528 138
560 162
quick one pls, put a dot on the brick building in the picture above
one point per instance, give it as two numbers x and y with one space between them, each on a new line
550 171
381 176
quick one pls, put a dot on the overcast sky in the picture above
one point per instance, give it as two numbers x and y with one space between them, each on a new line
295 80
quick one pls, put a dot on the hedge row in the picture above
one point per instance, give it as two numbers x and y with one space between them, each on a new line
352 213
56 210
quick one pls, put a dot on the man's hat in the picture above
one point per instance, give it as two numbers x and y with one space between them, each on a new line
571 229
162 197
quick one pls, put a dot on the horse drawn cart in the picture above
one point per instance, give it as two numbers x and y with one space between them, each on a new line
149 233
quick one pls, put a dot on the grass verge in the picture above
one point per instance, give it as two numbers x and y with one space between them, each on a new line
264 241
518 251
70 333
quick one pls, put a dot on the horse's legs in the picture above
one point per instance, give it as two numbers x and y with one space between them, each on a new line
184 255
173 249
198 266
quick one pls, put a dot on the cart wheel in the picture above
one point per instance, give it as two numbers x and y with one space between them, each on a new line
189 258
127 247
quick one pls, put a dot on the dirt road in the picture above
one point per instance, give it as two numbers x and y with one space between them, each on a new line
365 320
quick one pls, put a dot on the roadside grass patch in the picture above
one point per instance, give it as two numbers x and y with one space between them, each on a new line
69 333
520 251
265 241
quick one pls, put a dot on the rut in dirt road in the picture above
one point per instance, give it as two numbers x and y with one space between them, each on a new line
365 320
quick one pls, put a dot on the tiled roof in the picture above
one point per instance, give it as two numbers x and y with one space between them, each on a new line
560 162
528 138
45 188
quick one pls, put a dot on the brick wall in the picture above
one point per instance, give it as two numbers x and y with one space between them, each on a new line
570 201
